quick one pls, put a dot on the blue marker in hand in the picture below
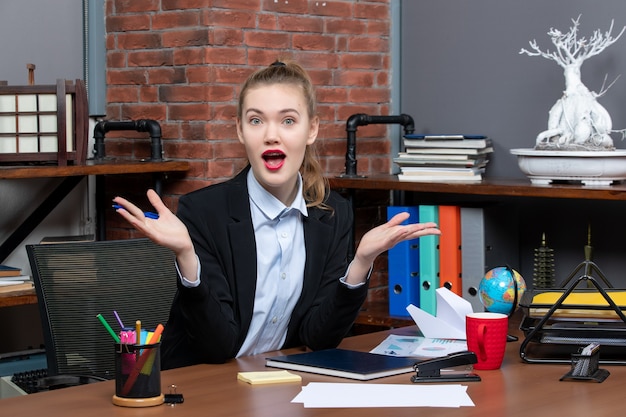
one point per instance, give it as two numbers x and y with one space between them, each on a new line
148 214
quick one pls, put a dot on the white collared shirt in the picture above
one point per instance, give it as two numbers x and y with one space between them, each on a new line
281 256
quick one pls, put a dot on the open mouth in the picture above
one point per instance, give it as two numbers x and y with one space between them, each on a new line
274 159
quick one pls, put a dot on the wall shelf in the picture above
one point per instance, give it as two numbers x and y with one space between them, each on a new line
496 187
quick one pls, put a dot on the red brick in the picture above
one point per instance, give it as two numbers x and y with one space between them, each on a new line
371 95
290 23
175 39
152 111
285 6
126 77
231 75
252 5
122 95
188 56
231 149
230 56
361 61
139 40
227 36
220 169
193 130
183 93
378 28
371 11
154 58
227 18
200 74
267 21
116 60
313 42
191 150
188 111
139 6
331 8
223 131
262 39
368 44
184 4
356 78
166 75
225 112
331 95
128 23
177 19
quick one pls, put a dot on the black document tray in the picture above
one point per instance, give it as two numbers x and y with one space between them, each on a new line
554 331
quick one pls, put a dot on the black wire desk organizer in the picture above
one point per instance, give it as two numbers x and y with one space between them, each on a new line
558 322
585 365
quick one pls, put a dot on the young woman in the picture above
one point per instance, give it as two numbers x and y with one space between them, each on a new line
262 258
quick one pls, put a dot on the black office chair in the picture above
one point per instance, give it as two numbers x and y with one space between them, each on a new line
77 281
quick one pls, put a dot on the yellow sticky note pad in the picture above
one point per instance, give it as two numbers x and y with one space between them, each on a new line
268 377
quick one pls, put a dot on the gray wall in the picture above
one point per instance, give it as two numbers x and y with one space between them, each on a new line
48 34
462 72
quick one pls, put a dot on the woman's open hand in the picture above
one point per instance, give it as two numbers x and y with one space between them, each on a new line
166 231
383 238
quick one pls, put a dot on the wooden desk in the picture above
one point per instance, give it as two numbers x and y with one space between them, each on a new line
515 390
72 175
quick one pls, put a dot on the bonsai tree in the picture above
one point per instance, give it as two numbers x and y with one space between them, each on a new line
576 121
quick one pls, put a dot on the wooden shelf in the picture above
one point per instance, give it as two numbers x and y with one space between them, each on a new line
498 188
107 166
15 298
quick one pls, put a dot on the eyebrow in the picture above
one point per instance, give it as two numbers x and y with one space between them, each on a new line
255 110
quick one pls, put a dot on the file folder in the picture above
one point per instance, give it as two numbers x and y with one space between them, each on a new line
403 270
472 254
450 248
429 261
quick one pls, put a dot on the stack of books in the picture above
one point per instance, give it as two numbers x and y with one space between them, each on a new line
444 158
12 279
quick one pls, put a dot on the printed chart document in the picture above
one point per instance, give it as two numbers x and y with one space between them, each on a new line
355 395
441 334
419 347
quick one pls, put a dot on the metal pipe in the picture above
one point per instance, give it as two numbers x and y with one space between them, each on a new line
144 125
361 119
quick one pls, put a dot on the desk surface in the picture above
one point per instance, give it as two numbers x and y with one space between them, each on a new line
517 389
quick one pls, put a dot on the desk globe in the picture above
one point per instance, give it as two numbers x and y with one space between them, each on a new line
497 290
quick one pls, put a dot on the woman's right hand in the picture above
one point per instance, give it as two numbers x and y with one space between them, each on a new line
168 230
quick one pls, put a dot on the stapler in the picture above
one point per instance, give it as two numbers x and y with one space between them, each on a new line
455 367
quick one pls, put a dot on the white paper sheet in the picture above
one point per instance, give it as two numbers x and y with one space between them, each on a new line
356 395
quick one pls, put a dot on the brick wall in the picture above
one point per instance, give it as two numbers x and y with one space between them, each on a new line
181 62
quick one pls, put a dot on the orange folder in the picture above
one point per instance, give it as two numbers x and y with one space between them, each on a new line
450 248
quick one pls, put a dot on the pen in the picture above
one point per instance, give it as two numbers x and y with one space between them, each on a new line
138 332
148 214
108 328
117 316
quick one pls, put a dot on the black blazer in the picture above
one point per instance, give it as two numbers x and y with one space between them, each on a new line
208 324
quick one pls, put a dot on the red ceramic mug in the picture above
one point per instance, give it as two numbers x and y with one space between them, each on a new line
486 337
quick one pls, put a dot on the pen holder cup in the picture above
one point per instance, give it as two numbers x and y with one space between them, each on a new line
585 367
137 375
